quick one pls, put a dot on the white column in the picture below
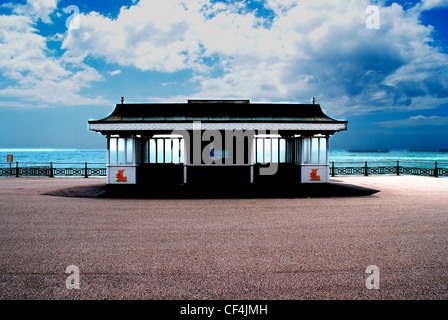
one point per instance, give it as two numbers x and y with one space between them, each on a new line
186 158
302 151
134 152
108 150
108 160
251 157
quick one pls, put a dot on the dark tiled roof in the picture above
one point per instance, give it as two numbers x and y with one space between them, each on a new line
216 111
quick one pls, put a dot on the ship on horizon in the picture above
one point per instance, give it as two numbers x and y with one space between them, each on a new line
369 150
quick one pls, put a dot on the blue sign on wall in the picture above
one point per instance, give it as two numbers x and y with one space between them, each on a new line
218 154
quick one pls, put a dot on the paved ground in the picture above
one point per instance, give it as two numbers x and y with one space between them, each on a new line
316 248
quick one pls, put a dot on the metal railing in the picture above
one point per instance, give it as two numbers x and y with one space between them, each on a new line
98 169
53 169
366 168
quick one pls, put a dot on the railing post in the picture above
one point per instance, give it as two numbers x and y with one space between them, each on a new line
85 172
398 168
332 169
365 168
436 169
17 169
51 170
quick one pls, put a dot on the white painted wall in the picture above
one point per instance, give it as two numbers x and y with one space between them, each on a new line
130 172
323 171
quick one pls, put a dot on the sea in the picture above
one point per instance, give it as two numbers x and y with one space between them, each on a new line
97 157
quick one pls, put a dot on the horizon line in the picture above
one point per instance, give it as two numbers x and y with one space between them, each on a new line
95 149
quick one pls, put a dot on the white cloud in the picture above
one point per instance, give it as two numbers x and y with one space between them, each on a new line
164 84
323 49
22 51
152 35
35 75
311 48
37 9
115 72
318 48
415 121
430 4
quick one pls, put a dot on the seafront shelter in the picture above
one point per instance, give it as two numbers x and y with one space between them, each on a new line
217 142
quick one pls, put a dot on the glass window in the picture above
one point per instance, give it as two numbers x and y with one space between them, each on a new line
274 150
129 150
254 156
315 150
182 152
168 150
160 153
113 151
121 151
296 150
306 150
175 150
282 147
323 151
152 151
145 151
267 146
260 150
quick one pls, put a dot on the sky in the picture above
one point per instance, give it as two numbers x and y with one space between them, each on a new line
381 65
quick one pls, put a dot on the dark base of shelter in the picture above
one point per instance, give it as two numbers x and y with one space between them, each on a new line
211 176
195 191
167 181
191 191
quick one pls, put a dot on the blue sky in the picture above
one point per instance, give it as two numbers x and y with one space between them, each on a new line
390 82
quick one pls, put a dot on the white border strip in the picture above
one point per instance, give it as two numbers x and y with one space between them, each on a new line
215 126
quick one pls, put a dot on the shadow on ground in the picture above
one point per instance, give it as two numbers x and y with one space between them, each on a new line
333 189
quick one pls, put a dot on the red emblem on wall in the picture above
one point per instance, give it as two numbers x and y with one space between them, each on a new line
314 176
121 177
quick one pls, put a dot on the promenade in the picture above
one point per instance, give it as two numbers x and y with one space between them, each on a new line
292 248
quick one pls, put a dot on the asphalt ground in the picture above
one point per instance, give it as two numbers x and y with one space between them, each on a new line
290 248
